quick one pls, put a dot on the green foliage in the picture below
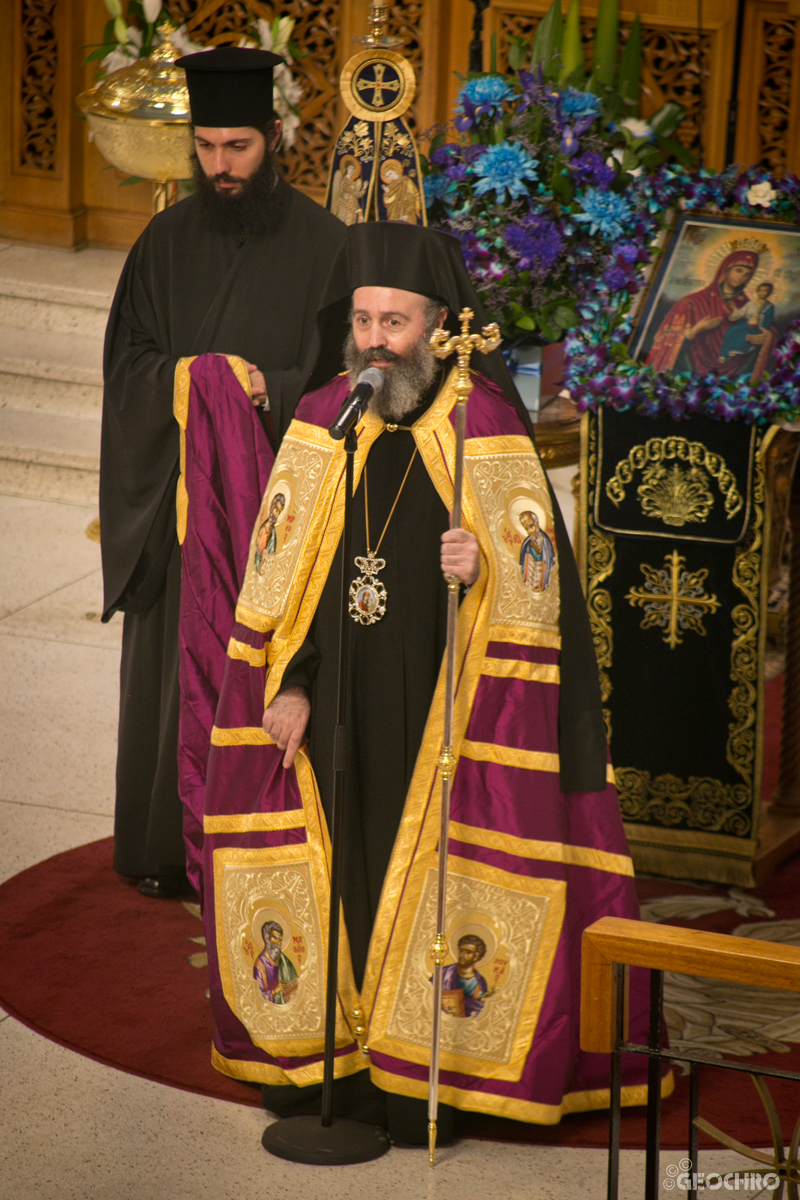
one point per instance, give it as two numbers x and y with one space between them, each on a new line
630 68
546 50
606 40
572 65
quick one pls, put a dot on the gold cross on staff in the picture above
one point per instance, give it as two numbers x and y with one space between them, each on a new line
379 85
673 598
443 345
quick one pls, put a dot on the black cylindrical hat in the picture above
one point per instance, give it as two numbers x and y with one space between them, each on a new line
230 86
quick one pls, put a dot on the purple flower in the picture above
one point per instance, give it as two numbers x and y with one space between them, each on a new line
442 156
537 241
569 143
591 167
618 279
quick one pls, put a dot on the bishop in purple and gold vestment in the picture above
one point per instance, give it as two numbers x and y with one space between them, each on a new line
537 849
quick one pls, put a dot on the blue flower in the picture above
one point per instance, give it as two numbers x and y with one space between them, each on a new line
436 188
505 168
482 97
577 104
606 212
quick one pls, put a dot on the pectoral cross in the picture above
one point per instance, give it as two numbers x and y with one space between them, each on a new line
673 599
443 345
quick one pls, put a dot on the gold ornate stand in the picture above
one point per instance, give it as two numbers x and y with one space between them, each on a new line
779 828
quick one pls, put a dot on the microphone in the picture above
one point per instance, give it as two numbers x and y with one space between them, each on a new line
368 384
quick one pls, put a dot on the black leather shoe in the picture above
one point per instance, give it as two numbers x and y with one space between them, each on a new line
166 886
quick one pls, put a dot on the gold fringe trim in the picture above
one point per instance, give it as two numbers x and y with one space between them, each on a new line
573 856
246 736
507 756
518 1110
257 822
514 668
345 1064
249 654
689 863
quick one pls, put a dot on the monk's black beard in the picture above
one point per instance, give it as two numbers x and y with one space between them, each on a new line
258 207
404 382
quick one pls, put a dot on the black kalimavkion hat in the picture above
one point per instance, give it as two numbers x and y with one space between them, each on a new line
230 86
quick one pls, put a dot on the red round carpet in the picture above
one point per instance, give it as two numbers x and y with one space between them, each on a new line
96 967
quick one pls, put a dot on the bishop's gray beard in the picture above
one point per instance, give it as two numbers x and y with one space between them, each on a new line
405 382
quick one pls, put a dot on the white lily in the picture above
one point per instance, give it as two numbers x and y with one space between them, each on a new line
616 157
114 7
181 41
151 10
636 127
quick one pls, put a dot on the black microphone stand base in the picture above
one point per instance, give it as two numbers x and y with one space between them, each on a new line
307 1140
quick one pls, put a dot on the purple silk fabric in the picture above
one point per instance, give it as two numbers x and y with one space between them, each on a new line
227 465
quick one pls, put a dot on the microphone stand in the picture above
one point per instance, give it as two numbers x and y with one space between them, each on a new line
329 1140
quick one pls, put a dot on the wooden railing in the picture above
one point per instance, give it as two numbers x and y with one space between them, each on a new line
610 947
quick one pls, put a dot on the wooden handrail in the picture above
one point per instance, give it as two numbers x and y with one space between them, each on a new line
667 948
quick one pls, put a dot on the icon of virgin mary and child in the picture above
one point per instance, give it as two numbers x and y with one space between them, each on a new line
721 328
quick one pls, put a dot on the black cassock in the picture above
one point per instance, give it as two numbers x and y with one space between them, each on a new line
186 290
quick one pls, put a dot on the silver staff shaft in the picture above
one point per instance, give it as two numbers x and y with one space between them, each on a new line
443 346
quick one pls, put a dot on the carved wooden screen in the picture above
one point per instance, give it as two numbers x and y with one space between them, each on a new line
672 67
770 87
37 55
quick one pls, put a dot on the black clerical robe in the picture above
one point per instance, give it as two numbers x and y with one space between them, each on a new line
186 290
385 723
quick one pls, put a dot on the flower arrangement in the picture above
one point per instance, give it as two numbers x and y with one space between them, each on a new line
599 368
558 191
536 176
128 37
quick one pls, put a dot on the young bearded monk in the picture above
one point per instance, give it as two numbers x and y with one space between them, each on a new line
237 268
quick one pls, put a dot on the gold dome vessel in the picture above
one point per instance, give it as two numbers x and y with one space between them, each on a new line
139 116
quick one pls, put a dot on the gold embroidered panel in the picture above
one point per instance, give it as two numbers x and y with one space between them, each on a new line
271 947
685 730
513 502
283 523
674 486
514 923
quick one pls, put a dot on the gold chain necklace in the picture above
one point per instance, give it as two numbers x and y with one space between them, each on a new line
367 593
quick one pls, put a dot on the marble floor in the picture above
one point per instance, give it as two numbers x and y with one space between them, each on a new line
70 1128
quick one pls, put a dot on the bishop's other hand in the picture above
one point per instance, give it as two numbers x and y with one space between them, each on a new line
258 387
460 555
286 719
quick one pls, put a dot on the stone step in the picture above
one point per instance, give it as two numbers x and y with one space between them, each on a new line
45 316
69 358
85 277
24 393
49 457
